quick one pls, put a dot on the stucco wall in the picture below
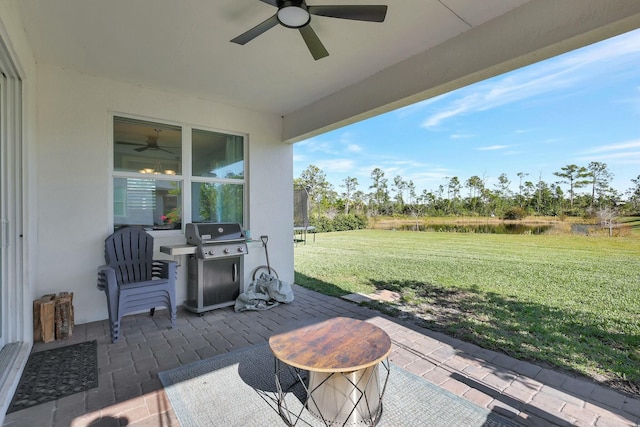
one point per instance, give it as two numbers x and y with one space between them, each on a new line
74 152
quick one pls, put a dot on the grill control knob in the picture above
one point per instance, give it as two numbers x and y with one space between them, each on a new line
212 252
240 249
226 250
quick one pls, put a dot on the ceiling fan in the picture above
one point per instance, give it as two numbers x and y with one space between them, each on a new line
152 143
296 14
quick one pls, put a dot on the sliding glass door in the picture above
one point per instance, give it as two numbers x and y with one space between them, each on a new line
2 205
12 290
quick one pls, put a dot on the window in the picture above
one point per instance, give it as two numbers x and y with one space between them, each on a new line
217 184
154 162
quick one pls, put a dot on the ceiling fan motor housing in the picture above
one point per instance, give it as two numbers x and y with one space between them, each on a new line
293 14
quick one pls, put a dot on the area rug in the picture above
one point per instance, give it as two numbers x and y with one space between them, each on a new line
238 389
59 372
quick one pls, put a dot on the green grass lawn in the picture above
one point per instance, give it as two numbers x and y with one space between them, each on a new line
571 301
633 222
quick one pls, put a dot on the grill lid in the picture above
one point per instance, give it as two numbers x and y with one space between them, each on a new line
212 233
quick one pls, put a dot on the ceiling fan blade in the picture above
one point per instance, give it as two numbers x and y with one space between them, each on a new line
256 31
129 143
314 44
271 2
372 13
141 149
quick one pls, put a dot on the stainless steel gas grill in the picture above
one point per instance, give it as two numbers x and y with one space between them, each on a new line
215 277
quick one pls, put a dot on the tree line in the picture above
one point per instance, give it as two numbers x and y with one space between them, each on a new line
577 191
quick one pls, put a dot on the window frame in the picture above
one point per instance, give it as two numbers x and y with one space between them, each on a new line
185 178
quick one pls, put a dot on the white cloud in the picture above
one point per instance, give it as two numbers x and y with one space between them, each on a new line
433 175
335 147
304 142
321 146
493 147
621 153
460 106
632 100
557 73
627 157
614 147
336 165
461 135
419 106
346 141
406 163
502 91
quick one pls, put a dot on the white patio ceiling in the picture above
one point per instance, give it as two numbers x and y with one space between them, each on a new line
423 48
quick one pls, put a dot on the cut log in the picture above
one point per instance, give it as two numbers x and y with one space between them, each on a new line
40 313
37 328
47 322
64 315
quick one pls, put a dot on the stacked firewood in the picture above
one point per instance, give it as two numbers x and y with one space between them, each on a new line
53 317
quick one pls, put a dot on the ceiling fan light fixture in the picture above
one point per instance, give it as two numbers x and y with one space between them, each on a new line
293 16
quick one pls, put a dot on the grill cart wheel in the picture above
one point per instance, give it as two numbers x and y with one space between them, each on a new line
262 268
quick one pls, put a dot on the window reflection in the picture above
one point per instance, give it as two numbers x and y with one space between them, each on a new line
146 147
147 203
213 202
217 155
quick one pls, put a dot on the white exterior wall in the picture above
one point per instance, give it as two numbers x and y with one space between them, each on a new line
74 181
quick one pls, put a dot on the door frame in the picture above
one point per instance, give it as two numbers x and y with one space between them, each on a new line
12 295
16 331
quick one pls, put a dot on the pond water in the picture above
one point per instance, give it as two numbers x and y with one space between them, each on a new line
480 228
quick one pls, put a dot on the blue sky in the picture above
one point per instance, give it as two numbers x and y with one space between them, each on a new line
576 108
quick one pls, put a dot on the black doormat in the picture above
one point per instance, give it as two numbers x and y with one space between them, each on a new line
56 373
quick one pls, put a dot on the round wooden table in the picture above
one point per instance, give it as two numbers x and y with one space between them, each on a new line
343 357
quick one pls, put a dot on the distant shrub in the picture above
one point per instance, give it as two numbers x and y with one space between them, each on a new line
340 222
322 224
349 222
574 212
515 213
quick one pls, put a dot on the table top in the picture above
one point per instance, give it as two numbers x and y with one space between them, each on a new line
340 344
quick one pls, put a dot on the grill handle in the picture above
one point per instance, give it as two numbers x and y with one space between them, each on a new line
222 241
234 272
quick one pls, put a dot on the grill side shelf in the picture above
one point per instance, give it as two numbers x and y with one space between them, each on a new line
179 249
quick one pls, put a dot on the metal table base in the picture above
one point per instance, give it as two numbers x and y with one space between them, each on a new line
335 398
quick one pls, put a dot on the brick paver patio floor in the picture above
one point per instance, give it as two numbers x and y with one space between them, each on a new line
131 394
